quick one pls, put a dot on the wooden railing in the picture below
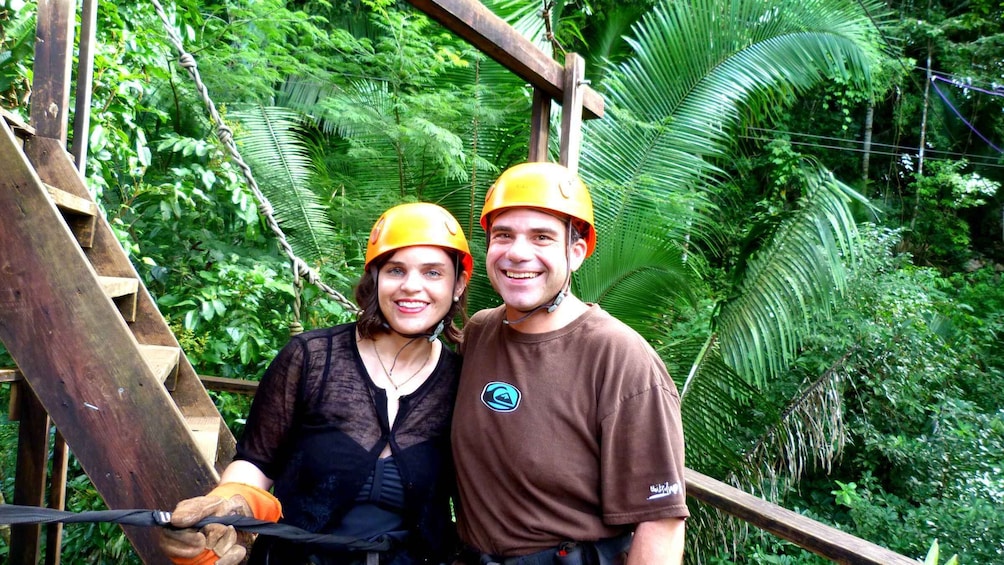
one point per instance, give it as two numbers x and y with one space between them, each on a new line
821 539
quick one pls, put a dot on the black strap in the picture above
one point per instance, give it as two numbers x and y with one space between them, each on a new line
15 514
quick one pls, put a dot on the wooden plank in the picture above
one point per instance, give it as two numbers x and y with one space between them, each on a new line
206 432
818 538
21 129
71 203
29 480
480 27
571 111
50 87
162 360
124 428
123 291
118 286
10 375
238 386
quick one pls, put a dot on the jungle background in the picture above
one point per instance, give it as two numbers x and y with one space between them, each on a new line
798 205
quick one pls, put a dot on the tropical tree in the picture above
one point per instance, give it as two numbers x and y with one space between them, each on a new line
695 72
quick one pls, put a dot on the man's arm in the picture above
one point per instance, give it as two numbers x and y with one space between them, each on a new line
659 542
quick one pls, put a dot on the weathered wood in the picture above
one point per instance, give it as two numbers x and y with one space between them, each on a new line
21 129
50 87
239 386
818 538
10 375
72 203
540 126
85 74
29 480
82 361
571 111
108 259
57 499
481 28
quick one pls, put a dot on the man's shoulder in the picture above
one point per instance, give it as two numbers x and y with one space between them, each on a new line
486 316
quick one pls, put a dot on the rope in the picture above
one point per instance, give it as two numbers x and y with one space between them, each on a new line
295 327
545 14
16 514
225 134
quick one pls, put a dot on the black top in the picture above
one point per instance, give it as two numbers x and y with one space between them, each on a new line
317 426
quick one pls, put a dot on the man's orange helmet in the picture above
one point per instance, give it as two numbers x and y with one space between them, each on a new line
418 223
547 186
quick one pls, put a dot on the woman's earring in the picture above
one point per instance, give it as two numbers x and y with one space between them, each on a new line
456 299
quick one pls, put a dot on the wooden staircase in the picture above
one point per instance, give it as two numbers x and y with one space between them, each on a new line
91 343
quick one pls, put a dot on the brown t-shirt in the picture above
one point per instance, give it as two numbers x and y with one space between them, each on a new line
573 434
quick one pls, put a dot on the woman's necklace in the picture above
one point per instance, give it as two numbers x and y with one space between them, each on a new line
390 372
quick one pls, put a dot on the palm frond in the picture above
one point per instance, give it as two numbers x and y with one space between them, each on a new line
712 397
280 160
810 431
790 281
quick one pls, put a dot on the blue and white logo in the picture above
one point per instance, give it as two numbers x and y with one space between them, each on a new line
501 397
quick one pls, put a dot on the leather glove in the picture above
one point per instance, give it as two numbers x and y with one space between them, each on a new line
216 543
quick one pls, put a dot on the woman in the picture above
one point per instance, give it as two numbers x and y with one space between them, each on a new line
350 424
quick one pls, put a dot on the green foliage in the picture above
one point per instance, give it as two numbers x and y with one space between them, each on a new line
941 234
17 27
925 432
79 540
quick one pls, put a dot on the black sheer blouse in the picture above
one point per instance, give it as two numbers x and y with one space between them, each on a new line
317 426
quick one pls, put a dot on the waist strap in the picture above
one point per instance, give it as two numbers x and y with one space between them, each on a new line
601 552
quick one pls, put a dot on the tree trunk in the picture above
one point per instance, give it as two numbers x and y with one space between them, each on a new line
923 135
869 124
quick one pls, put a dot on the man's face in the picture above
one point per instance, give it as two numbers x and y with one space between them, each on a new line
526 261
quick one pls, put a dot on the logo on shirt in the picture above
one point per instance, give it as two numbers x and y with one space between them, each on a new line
501 397
660 490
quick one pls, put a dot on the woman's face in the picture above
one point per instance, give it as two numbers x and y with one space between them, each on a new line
416 287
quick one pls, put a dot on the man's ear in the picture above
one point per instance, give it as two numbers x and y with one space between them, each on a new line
577 254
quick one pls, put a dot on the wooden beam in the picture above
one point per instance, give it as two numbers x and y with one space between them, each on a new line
50 87
804 532
481 28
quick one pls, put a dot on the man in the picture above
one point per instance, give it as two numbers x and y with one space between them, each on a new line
567 434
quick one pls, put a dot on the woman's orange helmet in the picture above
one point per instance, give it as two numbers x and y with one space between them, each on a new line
547 186
418 223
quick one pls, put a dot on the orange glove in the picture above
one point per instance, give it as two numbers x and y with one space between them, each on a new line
217 543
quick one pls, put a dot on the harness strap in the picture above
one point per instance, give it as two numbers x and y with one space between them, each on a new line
16 514
600 552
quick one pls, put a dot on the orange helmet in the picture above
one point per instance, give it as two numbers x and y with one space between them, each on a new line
547 186
418 223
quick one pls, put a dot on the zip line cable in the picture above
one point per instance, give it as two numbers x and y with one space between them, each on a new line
226 135
892 149
889 45
14 514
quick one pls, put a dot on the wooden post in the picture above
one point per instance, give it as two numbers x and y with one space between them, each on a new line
57 499
571 111
85 74
50 96
29 480
540 126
